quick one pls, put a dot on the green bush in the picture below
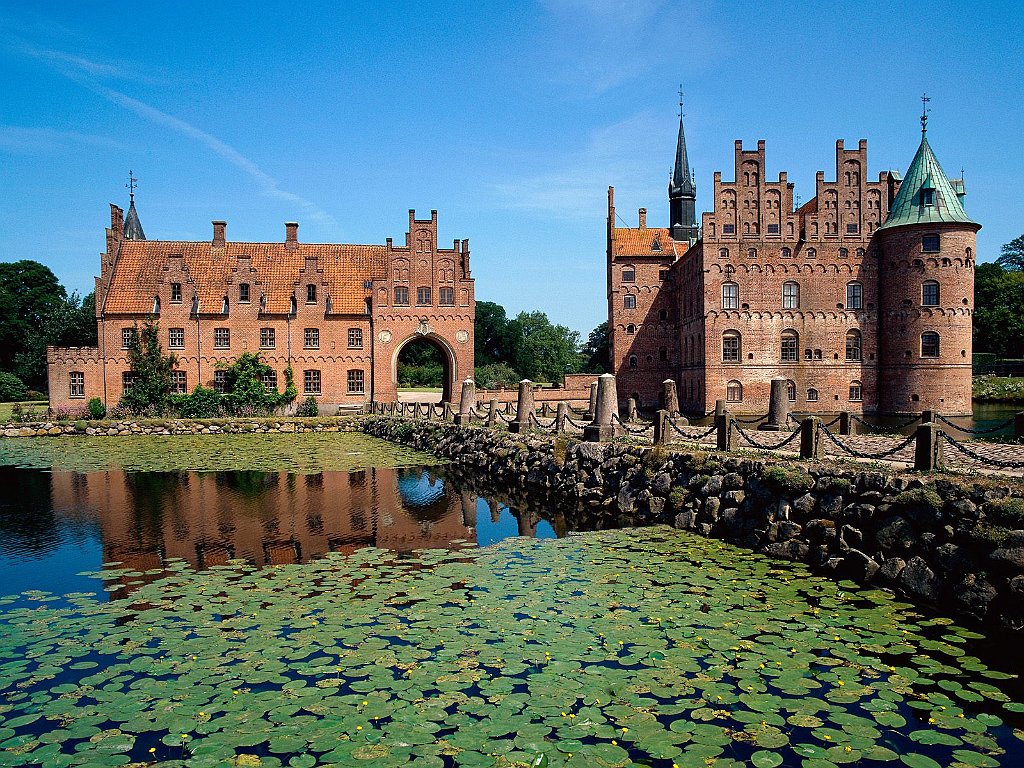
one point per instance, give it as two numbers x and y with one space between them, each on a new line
201 404
998 389
36 396
920 497
1008 512
788 479
309 408
989 535
11 388
245 394
96 408
496 375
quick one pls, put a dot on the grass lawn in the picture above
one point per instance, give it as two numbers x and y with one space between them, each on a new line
420 389
5 408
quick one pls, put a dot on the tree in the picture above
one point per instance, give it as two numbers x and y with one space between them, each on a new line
595 351
999 311
493 338
150 390
494 375
29 298
244 391
11 388
1012 259
544 352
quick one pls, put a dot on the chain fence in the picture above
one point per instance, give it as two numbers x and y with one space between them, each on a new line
849 449
765 446
962 448
967 430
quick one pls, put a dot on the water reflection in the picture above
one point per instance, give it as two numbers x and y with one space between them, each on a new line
77 521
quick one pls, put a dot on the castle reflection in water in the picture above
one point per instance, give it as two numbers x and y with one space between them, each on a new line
273 518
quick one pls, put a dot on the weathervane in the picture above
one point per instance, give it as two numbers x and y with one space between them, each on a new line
132 181
680 101
924 113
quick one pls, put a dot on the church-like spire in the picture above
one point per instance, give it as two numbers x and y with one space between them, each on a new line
682 192
132 225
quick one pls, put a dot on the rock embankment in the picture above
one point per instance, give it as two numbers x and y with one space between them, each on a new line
179 427
942 541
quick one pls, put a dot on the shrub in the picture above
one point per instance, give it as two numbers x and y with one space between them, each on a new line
150 391
989 535
308 408
201 404
788 479
244 391
69 414
1008 512
677 498
36 397
496 375
920 497
11 388
96 408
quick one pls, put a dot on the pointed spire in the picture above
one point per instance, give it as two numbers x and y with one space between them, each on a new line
132 225
682 181
682 192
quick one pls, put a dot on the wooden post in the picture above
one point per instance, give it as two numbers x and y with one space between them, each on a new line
810 439
928 448
723 422
845 423
661 427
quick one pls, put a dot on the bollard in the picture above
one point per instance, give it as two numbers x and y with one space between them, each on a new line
810 438
561 414
670 397
469 506
719 408
467 402
845 423
524 408
602 429
724 424
631 412
661 427
778 407
928 448
928 417
592 407
492 413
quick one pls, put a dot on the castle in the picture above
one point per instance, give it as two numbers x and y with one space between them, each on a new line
861 298
337 315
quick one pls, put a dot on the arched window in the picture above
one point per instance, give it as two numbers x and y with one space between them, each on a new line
730 296
791 391
630 329
930 293
629 301
860 253
663 354
790 295
844 253
854 295
734 392
731 347
632 361
786 253
812 253
929 344
628 275
723 253
751 253
156 305
855 391
663 314
854 350
812 395
790 347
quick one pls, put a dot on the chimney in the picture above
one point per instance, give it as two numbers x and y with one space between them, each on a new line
643 218
291 235
218 233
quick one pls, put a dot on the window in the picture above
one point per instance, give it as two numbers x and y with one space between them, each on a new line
127 380
632 361
929 344
423 296
311 338
243 293
773 229
176 293
790 347
930 293
807 354
355 382
628 275
730 296
663 274
355 338
663 314
854 296
751 253
221 338
728 229
844 253
854 349
76 384
311 382
790 295
734 392
446 296
629 301
723 253
127 337
791 391
176 338
268 338
401 295
630 329
220 379
812 253
930 243
855 391
927 196
786 253
270 381
224 306
663 354
655 246
851 229
812 395
311 294
179 382
731 347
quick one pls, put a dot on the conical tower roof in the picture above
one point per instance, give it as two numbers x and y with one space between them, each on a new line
926 196
132 225
682 182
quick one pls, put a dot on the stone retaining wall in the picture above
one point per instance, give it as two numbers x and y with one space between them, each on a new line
940 541
179 427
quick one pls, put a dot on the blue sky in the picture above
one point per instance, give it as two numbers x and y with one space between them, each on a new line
511 119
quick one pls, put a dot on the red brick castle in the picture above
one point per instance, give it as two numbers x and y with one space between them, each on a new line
860 298
338 315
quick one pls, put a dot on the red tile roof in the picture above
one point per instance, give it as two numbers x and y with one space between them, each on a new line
628 241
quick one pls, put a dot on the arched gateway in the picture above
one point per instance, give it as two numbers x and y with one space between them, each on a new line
337 315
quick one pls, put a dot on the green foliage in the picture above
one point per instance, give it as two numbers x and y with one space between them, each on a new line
245 394
999 311
920 497
1012 258
595 351
493 342
790 479
677 497
989 535
1008 512
36 396
543 351
308 408
96 409
494 375
11 388
290 390
998 389
150 393
201 404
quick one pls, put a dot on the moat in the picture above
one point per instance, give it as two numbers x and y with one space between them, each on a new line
389 614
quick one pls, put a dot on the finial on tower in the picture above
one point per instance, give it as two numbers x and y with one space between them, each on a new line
924 114
680 101
132 182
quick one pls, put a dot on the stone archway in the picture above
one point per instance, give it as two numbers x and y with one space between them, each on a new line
445 353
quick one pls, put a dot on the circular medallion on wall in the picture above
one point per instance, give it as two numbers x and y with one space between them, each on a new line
384 336
461 336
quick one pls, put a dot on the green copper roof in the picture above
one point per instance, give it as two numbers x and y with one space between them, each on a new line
910 205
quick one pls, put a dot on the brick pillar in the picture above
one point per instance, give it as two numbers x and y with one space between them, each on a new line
602 429
524 408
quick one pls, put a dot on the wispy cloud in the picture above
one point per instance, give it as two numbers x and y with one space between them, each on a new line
70 65
26 140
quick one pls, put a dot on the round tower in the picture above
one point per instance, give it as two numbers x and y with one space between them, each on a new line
926 253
